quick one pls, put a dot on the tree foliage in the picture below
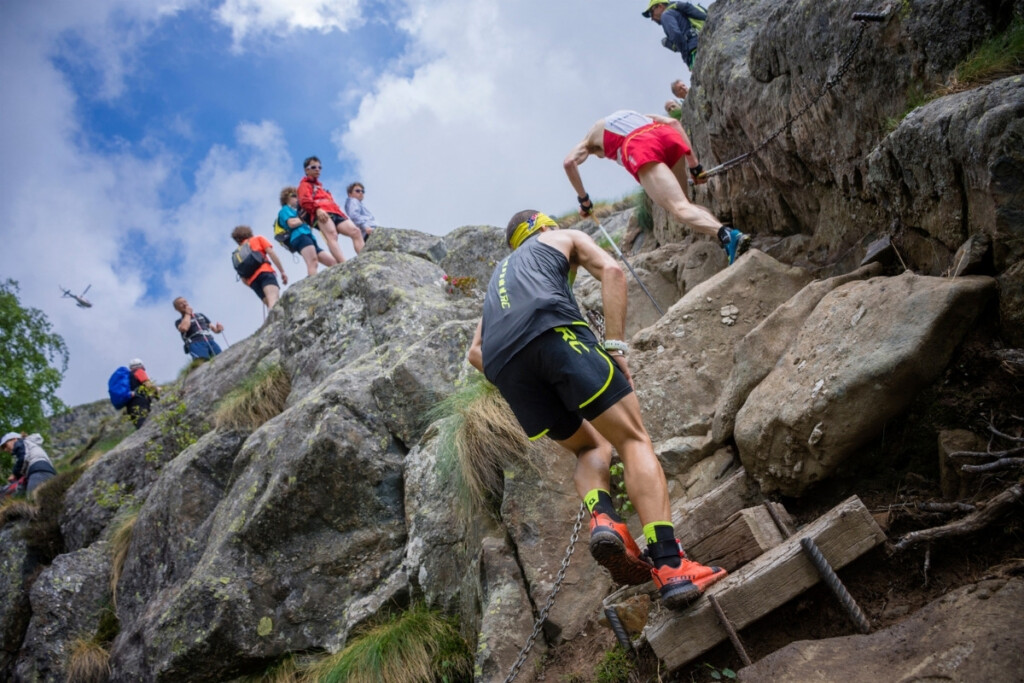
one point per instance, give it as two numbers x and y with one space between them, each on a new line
32 364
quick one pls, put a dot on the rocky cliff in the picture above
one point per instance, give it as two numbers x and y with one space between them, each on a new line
248 545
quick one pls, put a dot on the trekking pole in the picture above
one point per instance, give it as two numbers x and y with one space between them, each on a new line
226 344
619 253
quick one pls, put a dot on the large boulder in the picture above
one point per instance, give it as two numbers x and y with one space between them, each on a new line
975 633
172 526
304 546
859 359
681 363
757 353
68 599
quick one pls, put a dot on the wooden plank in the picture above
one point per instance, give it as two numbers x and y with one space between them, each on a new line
744 536
697 518
843 534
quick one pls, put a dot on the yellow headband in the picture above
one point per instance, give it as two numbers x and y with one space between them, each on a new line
528 227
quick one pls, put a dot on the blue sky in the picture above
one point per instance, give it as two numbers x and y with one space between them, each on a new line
135 135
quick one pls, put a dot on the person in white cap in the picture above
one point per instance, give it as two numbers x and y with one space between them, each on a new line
144 392
30 460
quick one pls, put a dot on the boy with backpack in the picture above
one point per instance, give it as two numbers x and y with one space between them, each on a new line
252 263
143 393
292 232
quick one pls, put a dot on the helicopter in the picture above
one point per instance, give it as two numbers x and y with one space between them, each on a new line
79 298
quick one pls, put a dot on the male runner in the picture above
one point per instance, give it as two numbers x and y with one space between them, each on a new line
561 383
655 151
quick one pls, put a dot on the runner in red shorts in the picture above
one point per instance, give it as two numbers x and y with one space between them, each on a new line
655 151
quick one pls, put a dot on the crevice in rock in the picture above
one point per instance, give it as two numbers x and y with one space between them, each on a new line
534 609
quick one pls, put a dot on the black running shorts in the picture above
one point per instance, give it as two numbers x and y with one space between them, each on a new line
264 280
559 379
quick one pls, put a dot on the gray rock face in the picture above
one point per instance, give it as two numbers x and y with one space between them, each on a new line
67 599
757 353
680 364
859 359
950 169
72 430
971 634
16 568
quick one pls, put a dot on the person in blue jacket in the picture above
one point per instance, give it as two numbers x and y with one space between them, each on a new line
681 22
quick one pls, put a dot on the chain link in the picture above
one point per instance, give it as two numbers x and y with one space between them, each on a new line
829 85
542 617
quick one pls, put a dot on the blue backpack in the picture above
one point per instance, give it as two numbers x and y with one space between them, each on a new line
119 386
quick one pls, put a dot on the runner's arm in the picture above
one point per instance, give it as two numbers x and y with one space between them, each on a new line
576 156
217 327
476 355
606 269
277 262
186 322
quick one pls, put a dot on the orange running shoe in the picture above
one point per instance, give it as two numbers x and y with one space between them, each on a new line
614 549
680 586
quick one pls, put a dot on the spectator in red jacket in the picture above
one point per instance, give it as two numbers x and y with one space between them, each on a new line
324 213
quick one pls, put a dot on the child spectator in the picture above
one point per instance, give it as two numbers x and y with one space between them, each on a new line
357 212
262 281
300 235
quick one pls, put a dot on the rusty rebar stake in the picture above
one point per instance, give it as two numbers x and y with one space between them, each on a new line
734 637
831 580
783 529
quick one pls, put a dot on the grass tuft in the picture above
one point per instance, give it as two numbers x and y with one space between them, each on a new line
120 541
261 396
13 509
478 437
998 57
644 217
88 662
616 666
414 646
287 670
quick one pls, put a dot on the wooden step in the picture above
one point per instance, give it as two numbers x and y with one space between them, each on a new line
843 534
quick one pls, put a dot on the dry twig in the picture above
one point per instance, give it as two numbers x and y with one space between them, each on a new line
995 508
997 466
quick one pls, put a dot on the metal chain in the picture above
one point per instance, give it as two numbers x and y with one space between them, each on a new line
542 617
829 84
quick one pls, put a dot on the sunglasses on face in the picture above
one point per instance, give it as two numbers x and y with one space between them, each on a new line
313 167
360 191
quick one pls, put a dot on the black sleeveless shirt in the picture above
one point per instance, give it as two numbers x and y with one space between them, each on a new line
528 294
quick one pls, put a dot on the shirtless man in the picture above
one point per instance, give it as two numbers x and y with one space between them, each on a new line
655 151
562 383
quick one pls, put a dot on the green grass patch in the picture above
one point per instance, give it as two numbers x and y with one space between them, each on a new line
644 217
999 56
261 396
413 646
616 666
478 438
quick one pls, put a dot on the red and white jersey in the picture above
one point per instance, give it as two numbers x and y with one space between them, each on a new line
619 126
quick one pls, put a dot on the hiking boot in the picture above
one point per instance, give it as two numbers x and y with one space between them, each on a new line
614 549
680 586
738 243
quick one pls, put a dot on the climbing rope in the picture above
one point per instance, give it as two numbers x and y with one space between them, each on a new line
863 18
542 617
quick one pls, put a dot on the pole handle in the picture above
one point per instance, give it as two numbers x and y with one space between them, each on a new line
868 16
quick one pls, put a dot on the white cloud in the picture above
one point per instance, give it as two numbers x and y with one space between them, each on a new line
248 18
473 122
467 126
